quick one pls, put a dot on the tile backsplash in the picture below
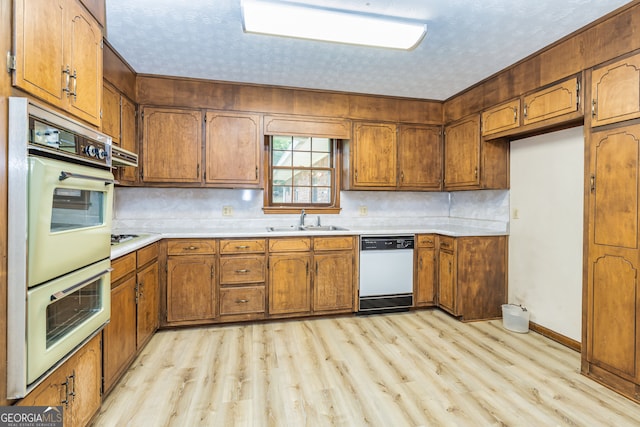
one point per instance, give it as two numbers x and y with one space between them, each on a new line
193 207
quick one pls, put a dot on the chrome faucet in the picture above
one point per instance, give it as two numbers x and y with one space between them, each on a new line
302 215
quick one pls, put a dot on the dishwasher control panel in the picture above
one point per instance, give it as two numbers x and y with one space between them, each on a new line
382 243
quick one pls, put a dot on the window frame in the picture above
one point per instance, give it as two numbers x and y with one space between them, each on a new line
334 207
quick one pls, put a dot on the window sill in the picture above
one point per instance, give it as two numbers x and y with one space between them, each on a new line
296 210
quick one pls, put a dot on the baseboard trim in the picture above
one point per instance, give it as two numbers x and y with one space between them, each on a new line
566 341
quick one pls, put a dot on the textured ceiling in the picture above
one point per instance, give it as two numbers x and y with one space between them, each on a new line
467 41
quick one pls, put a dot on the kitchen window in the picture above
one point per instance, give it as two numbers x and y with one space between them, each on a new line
302 174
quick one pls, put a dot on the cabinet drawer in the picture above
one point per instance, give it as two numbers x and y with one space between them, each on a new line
290 245
239 269
332 243
122 266
241 246
242 300
191 247
426 240
447 243
147 254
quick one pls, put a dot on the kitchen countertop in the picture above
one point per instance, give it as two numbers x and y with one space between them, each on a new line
453 229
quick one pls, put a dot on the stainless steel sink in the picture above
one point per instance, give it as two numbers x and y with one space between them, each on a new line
287 228
323 228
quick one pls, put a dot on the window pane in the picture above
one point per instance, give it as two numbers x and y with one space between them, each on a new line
281 142
281 194
321 144
282 176
302 143
320 160
321 178
321 195
302 158
301 177
302 195
281 158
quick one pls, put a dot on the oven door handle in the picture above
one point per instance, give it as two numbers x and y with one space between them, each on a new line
65 175
63 293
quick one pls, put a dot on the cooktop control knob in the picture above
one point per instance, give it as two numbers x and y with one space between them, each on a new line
102 154
91 151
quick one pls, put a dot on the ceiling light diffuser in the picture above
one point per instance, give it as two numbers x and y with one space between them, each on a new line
288 19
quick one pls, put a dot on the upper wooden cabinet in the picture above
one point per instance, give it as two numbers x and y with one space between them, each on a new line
373 154
551 102
233 147
420 157
171 145
615 91
59 35
462 153
471 162
111 119
501 117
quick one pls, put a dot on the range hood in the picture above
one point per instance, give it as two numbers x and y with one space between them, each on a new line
122 157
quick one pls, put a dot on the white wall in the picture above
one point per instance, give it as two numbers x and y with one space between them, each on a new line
545 243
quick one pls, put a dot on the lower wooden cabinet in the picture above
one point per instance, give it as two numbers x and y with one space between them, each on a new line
472 276
242 293
333 278
289 276
134 311
426 264
75 386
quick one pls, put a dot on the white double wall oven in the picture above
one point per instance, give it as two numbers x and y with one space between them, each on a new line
60 211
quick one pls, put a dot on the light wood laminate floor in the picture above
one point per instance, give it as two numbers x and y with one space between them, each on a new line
420 368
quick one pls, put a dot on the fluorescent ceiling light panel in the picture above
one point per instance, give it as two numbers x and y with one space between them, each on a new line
341 26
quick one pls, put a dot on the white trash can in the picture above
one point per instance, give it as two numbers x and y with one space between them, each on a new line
515 318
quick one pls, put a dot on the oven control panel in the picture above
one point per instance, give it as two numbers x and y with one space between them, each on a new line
56 141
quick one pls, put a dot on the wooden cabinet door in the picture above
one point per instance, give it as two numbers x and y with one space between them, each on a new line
128 138
233 148
613 313
501 117
87 380
39 41
171 145
615 91
52 391
333 281
119 336
557 100
289 283
462 154
374 155
613 306
420 157
85 61
426 273
447 288
191 293
148 302
111 112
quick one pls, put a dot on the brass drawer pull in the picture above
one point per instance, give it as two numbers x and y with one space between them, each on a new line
191 248
242 301
244 270
242 247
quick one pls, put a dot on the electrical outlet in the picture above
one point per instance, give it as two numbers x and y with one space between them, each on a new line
363 211
227 211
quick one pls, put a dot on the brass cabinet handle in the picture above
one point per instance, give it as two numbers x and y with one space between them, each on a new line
593 107
593 183
515 115
524 111
191 248
75 85
242 247
242 301
243 271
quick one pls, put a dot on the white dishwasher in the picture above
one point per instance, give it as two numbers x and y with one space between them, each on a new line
386 274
